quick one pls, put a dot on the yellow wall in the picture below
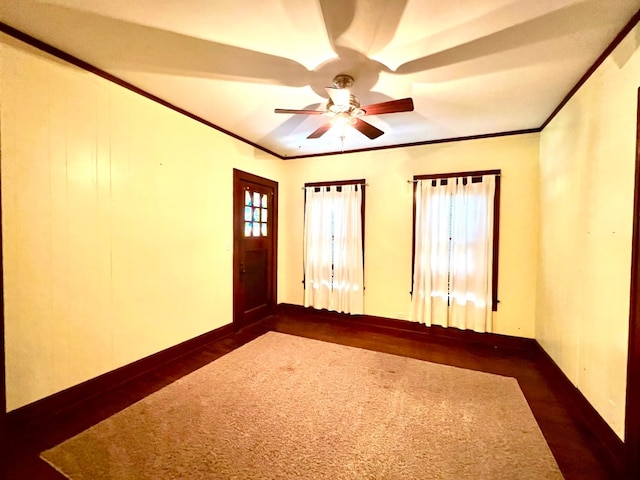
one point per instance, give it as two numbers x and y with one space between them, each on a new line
587 158
388 220
117 224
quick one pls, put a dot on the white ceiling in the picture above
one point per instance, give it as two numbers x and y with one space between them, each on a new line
472 67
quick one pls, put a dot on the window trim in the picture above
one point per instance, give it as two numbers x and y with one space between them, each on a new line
496 223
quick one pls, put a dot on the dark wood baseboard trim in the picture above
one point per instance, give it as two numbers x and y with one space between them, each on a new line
28 416
435 333
582 408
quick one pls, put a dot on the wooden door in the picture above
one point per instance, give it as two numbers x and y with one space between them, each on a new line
255 227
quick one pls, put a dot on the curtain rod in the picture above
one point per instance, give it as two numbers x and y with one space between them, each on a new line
341 185
446 178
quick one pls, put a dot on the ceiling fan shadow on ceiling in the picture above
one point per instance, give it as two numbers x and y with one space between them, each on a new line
344 109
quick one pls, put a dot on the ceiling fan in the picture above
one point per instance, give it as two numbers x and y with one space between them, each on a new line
344 109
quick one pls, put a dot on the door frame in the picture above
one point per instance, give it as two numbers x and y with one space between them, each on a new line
241 176
632 407
3 383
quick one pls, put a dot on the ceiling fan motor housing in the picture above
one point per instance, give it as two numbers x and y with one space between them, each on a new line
344 109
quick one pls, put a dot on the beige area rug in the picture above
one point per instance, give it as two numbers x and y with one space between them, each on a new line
285 407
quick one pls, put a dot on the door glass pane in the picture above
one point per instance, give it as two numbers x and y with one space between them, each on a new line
256 214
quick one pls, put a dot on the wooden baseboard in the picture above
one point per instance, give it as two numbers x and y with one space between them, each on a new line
612 445
434 333
30 415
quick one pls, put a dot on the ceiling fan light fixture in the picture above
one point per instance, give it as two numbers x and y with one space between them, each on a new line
341 119
337 107
351 105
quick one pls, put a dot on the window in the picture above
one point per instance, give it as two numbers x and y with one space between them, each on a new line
455 257
255 214
334 245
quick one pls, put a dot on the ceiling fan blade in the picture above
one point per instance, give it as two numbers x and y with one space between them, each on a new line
318 132
306 112
392 106
367 129
339 96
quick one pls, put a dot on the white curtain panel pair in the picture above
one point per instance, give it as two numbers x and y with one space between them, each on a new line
333 266
452 283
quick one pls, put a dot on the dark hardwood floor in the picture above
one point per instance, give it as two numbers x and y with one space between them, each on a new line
576 449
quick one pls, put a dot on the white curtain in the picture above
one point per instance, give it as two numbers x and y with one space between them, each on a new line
333 266
452 281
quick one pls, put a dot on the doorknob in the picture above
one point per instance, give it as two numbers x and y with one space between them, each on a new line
242 269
